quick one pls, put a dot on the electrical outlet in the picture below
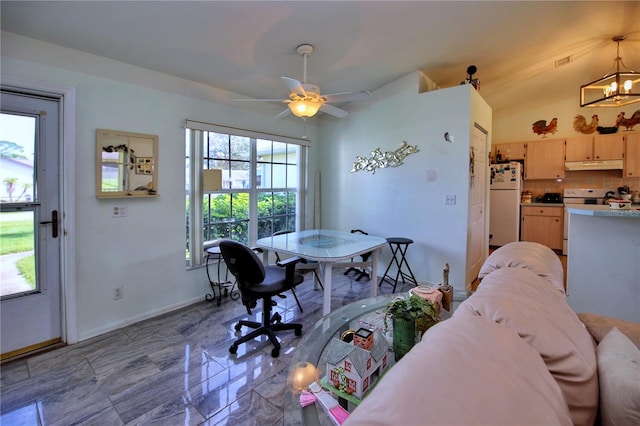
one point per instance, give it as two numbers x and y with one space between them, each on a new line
449 200
118 293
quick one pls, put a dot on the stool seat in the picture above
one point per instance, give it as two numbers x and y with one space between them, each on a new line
399 246
399 240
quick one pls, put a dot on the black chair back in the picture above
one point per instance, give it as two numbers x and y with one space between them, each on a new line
243 263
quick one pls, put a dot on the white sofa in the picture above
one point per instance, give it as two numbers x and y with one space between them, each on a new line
514 353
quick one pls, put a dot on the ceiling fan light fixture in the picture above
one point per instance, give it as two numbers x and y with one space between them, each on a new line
616 89
304 107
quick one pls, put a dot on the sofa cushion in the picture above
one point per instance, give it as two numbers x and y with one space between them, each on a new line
466 371
600 325
531 306
619 370
528 255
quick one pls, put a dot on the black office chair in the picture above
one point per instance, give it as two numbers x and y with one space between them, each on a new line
312 266
257 281
361 272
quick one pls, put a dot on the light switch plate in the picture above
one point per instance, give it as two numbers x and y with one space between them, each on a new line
120 210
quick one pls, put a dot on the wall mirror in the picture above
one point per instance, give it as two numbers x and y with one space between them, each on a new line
126 164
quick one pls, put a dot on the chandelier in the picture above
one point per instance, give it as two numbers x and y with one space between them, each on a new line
615 89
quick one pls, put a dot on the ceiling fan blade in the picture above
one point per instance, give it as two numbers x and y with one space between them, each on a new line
284 113
261 100
348 97
332 110
294 86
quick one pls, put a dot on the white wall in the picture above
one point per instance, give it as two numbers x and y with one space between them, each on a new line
144 251
407 201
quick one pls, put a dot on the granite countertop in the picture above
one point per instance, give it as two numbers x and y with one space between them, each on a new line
604 211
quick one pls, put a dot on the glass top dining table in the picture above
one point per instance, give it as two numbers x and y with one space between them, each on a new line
328 248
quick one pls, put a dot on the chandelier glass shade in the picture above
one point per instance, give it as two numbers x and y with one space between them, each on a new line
616 89
305 107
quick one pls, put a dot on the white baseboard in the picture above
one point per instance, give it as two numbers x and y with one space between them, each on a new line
132 320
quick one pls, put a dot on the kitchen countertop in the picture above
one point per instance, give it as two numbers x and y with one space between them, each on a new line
534 204
604 211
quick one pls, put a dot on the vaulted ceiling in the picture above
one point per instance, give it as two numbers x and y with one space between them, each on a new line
245 47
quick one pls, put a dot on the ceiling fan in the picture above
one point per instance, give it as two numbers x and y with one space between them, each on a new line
305 99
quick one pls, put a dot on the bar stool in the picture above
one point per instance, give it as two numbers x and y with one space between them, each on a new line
399 248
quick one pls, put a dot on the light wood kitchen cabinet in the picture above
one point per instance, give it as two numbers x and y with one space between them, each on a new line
632 155
579 148
510 151
542 225
544 159
599 147
608 147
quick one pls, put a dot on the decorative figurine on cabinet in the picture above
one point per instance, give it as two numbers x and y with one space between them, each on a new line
541 127
628 122
580 124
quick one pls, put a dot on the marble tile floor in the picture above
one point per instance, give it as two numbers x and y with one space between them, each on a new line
174 369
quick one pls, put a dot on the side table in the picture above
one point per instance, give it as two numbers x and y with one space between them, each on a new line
226 286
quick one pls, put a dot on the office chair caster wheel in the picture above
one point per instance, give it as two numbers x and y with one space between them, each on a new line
275 352
233 349
219 302
238 327
298 331
276 318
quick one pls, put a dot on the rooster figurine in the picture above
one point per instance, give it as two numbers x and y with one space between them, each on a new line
628 122
580 124
541 127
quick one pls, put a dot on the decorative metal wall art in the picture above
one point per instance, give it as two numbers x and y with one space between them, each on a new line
381 160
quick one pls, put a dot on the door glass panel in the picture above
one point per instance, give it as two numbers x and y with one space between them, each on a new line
17 261
17 217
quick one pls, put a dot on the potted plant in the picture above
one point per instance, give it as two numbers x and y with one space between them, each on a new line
410 314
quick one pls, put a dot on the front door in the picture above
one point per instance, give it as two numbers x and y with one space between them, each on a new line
30 223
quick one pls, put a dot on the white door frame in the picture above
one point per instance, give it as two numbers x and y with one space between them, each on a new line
67 96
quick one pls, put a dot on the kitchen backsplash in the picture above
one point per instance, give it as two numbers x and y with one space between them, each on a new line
583 179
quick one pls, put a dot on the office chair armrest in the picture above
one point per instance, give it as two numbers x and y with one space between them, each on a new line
291 260
290 267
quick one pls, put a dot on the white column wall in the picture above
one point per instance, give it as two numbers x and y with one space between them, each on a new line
407 201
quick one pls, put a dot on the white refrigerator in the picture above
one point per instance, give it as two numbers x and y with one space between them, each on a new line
504 203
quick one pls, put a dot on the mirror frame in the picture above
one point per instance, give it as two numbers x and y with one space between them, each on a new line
139 167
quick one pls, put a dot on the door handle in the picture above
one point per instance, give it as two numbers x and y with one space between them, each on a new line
54 223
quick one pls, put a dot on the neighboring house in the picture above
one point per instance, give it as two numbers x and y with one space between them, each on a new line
354 370
19 169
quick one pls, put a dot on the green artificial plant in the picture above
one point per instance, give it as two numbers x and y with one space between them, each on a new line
410 307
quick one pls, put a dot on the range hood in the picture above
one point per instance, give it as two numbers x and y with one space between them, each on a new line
593 165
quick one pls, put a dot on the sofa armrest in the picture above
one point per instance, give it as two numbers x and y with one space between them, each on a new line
599 325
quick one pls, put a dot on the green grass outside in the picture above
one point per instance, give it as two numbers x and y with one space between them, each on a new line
16 232
17 236
27 268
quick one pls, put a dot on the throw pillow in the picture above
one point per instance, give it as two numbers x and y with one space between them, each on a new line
619 374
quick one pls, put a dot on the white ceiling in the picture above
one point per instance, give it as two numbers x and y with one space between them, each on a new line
244 47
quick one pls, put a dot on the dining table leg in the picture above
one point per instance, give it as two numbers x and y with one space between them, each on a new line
374 273
326 268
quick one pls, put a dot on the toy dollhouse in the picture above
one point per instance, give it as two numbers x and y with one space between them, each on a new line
353 369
